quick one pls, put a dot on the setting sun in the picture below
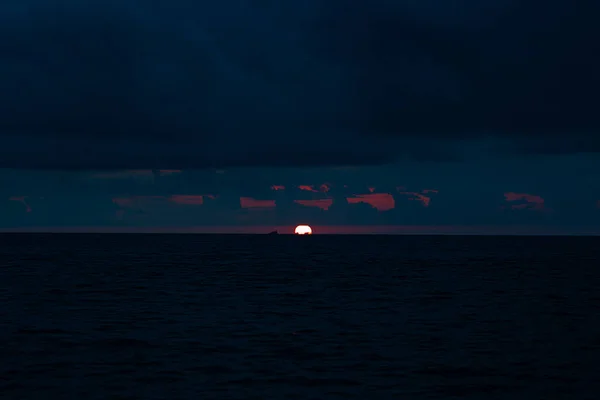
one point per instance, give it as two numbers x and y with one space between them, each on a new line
303 230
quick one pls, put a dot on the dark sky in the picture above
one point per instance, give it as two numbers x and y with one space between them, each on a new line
382 113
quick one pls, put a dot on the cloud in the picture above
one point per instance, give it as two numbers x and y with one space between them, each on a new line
22 200
194 200
323 204
308 188
501 194
525 74
525 201
137 85
249 202
380 201
424 197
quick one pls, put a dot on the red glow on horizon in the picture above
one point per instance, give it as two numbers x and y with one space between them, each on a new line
321 229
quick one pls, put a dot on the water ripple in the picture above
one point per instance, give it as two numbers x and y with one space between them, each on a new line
253 317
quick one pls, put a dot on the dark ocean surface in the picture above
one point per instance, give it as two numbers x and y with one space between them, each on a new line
286 317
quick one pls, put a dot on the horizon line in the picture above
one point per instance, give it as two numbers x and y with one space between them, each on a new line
396 230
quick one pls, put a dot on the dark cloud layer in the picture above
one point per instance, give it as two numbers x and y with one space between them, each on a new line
184 84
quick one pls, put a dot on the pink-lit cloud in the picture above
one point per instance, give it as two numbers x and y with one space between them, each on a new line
380 201
323 204
187 200
277 187
424 196
249 202
323 188
308 188
527 201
